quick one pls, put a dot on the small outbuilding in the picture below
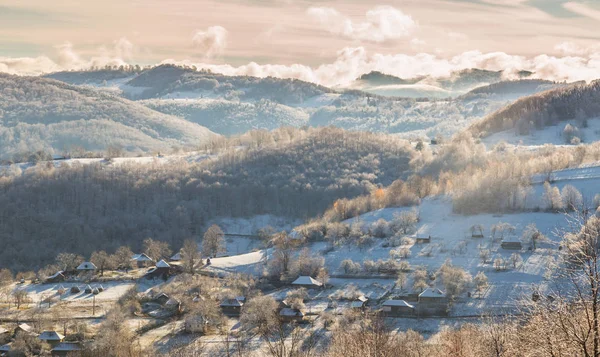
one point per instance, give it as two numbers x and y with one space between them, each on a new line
231 307
397 308
176 257
24 328
51 337
289 314
75 289
360 303
142 260
57 277
423 240
88 289
307 282
161 270
511 243
64 349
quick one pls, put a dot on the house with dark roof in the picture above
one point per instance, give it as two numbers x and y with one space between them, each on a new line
289 314
51 337
63 349
161 270
231 307
433 301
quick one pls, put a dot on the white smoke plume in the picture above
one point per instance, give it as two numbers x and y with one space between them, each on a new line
211 42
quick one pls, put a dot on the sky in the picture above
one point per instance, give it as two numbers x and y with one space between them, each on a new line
324 41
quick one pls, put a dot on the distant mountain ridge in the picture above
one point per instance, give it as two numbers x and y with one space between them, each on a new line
45 114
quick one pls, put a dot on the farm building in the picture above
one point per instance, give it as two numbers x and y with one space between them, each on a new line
360 303
289 314
512 243
398 308
432 301
51 337
232 307
24 328
66 349
57 277
307 282
423 240
86 267
176 257
142 260
161 270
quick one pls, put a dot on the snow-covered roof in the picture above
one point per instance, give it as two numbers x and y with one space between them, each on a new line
511 239
398 303
176 257
141 258
162 264
60 272
3 330
86 266
25 327
432 293
232 302
5 348
172 302
67 346
50 336
306 280
356 304
287 311
362 298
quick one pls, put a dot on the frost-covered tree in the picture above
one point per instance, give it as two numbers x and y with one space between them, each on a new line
571 198
213 242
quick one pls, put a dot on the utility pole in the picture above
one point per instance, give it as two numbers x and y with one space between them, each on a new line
94 305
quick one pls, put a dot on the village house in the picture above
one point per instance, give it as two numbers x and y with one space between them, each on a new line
142 260
360 303
397 308
173 305
162 270
423 240
53 338
63 349
24 328
433 301
307 282
289 314
176 257
86 267
57 277
511 243
232 307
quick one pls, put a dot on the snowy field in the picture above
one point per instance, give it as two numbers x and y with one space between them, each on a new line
112 291
548 135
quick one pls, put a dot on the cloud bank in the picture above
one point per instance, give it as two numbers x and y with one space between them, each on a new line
381 23
574 64
211 42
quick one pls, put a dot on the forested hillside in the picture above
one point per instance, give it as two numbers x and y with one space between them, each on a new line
292 173
43 114
578 101
231 117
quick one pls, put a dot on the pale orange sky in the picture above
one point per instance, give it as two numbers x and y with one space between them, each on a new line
286 32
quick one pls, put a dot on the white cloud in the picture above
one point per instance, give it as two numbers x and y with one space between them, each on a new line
583 10
575 63
381 23
211 42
